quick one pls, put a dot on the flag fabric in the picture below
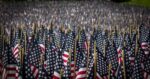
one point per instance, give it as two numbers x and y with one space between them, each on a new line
51 53
145 44
129 54
81 73
101 68
112 58
90 71
5 60
58 65
32 59
10 63
1 49
59 61
137 69
144 38
66 56
81 48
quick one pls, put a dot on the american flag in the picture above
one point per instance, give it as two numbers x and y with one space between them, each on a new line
112 57
119 72
81 48
15 49
145 44
69 46
144 38
81 73
5 59
118 44
10 63
137 69
58 65
90 71
32 59
128 59
99 41
51 53
41 40
72 64
101 66
63 39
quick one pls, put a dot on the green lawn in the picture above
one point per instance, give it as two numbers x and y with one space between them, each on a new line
145 3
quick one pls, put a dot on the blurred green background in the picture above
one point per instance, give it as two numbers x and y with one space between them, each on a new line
145 3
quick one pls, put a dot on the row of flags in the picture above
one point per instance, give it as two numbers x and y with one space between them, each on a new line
40 53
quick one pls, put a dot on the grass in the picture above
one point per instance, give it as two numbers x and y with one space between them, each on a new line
144 3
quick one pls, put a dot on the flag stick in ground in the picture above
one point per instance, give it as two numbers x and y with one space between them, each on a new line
109 70
123 55
136 48
75 45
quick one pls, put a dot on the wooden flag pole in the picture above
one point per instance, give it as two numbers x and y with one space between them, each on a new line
88 52
130 30
25 42
75 51
124 70
20 48
95 54
136 48
62 29
109 70
23 50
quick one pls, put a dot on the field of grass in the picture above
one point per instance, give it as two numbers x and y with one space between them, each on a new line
145 3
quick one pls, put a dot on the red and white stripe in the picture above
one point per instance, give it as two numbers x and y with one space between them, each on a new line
16 51
105 77
81 73
12 72
132 60
42 48
144 45
56 75
119 51
98 76
45 64
4 74
113 72
146 75
72 69
65 58
34 71
85 45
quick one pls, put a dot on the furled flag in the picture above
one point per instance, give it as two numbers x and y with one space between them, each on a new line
129 55
81 48
112 59
101 66
145 46
90 71
137 69
32 60
58 65
82 55
10 63
66 56
144 38
50 52
5 59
